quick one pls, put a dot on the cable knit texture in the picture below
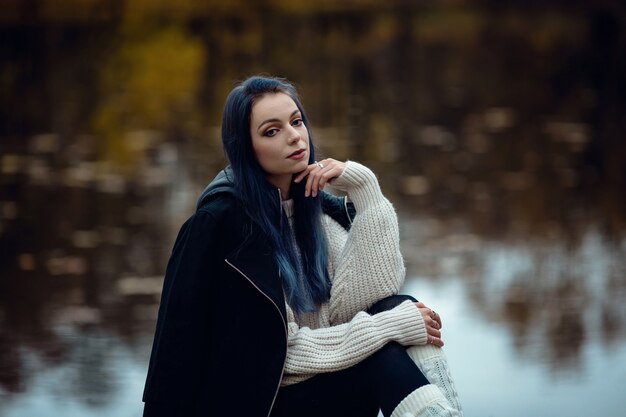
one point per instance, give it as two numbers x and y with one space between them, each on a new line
433 363
365 265
426 401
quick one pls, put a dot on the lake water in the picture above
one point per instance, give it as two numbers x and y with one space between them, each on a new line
551 345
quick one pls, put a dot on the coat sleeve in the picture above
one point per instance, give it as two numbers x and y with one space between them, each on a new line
180 343
366 265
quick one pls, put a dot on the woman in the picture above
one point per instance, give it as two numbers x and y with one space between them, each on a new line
278 299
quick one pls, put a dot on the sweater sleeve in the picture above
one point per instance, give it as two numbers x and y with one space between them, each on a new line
329 349
368 265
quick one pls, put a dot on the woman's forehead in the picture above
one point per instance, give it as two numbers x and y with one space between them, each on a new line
273 105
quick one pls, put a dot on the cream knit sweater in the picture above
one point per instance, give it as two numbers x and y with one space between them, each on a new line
365 265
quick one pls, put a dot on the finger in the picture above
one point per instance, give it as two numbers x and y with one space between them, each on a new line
316 177
308 187
435 341
304 173
435 324
323 175
434 332
438 319
331 172
315 187
301 175
311 181
338 169
435 316
424 312
323 179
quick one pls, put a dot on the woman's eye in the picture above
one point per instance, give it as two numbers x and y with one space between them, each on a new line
271 132
297 122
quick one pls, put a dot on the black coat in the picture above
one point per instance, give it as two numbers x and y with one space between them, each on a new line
221 334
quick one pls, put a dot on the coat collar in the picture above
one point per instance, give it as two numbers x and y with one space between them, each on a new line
222 183
336 207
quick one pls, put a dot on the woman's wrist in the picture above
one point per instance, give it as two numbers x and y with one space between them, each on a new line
412 323
360 183
354 175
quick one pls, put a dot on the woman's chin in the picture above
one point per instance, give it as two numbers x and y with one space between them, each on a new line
300 166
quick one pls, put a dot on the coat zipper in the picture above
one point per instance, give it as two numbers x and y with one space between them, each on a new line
284 328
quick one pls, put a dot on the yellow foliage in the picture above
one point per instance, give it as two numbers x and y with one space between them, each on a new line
179 8
147 82
449 25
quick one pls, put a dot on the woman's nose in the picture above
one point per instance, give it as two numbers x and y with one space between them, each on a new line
294 135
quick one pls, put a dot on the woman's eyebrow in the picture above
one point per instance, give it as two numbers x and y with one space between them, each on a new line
277 120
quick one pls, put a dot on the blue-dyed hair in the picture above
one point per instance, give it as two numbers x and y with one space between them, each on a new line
305 277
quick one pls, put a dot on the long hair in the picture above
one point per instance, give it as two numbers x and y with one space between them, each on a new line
305 277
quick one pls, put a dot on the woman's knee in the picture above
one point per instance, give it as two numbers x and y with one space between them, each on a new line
392 375
389 303
387 358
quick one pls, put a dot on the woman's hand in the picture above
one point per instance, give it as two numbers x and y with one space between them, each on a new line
318 174
432 321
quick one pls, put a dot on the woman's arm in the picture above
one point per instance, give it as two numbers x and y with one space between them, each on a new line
367 265
329 349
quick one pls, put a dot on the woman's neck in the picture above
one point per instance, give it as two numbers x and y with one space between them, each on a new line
283 183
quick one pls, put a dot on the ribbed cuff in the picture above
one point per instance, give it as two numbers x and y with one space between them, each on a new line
408 324
360 183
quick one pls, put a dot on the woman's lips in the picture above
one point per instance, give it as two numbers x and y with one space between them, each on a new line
299 154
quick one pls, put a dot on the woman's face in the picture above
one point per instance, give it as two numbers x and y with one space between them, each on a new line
279 138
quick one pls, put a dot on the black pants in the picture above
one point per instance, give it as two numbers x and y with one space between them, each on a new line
380 381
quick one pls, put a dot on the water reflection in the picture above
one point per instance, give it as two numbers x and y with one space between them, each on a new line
496 130
553 294
99 375
79 294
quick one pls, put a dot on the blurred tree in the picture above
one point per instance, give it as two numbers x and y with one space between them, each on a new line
146 83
